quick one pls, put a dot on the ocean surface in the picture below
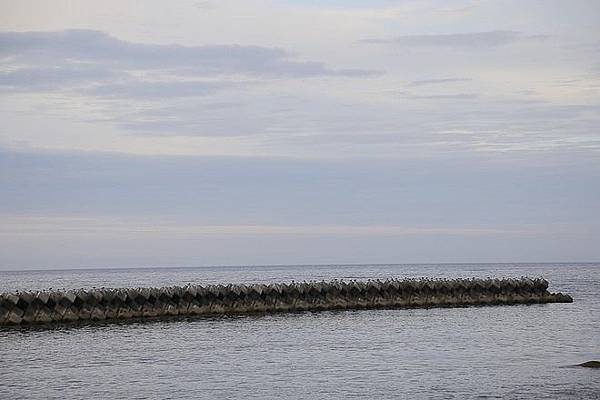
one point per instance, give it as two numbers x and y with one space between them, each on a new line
508 352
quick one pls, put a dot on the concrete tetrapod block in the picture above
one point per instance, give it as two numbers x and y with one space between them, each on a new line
44 307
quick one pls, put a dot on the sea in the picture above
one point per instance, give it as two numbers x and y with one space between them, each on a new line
498 352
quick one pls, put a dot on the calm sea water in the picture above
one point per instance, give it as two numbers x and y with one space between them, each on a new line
510 352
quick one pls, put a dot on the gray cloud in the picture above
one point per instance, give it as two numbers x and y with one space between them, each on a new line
467 40
97 64
97 80
428 123
438 81
448 96
201 118
115 194
274 115
54 77
204 124
159 90
263 190
90 46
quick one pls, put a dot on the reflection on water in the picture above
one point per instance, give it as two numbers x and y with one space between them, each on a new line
491 352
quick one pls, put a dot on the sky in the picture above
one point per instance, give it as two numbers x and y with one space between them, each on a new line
298 132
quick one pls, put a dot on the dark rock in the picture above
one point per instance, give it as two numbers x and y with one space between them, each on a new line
590 364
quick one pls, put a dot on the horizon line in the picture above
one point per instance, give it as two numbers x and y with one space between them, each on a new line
113 268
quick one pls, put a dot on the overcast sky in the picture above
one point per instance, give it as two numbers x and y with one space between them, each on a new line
293 132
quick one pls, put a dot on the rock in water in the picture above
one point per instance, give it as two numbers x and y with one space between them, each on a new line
590 364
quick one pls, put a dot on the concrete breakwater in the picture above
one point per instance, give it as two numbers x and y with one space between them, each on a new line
46 307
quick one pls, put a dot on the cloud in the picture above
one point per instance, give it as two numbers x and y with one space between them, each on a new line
288 191
446 96
200 119
99 81
93 63
54 77
465 40
159 90
438 81
200 208
35 225
96 47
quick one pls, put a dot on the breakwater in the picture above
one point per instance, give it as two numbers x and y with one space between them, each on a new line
46 307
